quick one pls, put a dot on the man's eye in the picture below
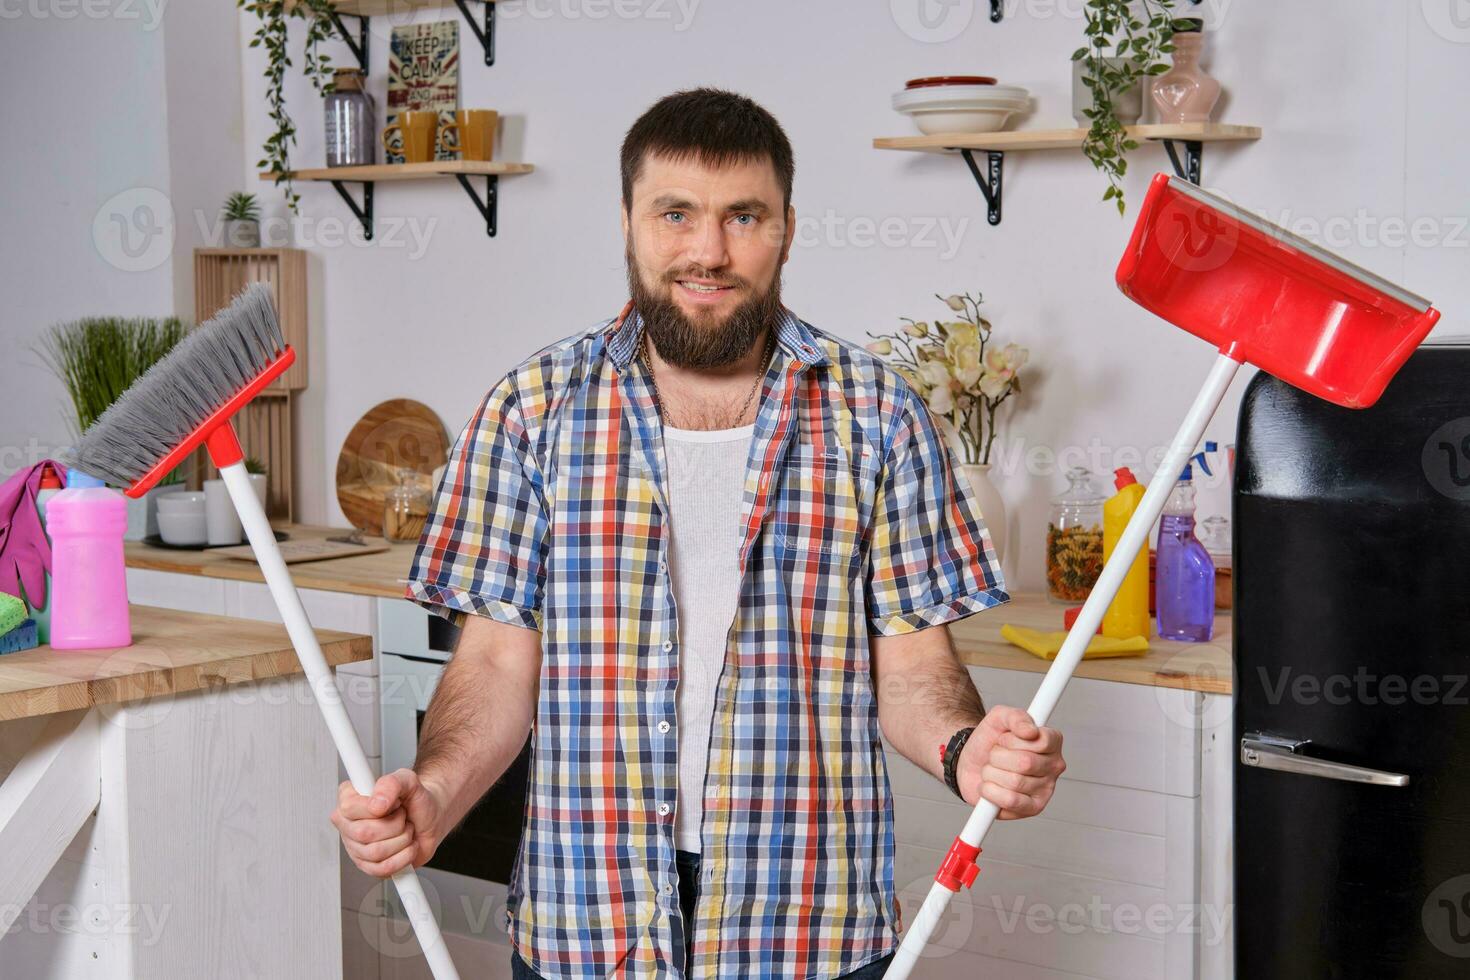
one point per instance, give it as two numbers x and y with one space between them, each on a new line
674 217
745 220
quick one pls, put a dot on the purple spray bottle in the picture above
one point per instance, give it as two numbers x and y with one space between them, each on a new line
1185 578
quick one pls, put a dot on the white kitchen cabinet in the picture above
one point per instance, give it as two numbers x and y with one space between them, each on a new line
1111 881
170 590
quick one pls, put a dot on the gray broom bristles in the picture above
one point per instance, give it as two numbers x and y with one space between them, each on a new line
164 407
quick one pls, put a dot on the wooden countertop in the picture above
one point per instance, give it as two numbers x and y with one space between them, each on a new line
1204 667
379 574
172 652
1189 666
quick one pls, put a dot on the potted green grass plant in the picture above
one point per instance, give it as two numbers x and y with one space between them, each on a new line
97 359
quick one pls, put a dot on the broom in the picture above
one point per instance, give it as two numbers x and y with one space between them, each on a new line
186 400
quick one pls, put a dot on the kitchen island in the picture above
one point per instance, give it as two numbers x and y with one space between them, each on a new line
164 806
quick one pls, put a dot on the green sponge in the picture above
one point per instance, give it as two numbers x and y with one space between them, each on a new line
12 612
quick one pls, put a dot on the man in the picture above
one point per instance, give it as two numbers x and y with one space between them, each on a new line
709 551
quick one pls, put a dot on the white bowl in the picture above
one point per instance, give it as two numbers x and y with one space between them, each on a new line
186 528
940 95
932 122
181 502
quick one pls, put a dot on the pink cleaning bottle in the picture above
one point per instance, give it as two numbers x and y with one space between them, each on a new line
89 605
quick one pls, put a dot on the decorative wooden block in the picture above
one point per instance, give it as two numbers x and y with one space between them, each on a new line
220 274
265 425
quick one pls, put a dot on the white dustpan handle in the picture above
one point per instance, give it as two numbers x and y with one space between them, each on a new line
1102 595
329 700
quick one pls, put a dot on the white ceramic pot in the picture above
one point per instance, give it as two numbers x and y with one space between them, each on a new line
258 484
242 233
992 507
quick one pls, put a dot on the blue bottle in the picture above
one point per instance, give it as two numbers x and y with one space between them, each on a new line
1185 579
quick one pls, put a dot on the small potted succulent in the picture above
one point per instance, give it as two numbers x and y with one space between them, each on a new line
255 469
964 376
241 215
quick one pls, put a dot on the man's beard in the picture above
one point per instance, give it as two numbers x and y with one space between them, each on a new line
685 343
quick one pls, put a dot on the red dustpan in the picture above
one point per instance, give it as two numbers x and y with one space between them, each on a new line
1259 294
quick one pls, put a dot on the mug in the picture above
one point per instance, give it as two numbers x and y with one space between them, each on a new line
474 134
417 129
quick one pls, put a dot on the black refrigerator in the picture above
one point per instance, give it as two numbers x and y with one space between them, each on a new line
1352 704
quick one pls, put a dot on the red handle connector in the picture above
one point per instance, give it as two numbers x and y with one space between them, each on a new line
959 868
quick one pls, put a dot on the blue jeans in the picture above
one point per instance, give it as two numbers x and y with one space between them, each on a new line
687 864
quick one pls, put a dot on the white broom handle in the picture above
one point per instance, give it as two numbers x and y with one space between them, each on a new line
329 700
1083 629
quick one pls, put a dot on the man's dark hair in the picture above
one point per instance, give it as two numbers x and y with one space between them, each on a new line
714 127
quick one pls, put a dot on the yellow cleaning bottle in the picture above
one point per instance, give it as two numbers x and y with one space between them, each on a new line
1128 614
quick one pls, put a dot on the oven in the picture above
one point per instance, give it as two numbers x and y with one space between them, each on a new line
471 868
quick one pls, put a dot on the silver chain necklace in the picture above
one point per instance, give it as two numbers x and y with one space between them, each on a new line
658 398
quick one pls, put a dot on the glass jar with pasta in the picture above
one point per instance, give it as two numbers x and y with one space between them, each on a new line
406 508
1074 539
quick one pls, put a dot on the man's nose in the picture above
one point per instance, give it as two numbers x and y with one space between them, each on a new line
708 248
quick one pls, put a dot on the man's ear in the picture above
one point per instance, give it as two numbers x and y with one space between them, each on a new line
623 209
790 233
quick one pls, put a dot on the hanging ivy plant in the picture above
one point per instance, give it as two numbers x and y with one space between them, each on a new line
1137 49
271 35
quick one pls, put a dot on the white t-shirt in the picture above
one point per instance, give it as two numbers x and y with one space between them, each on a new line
706 478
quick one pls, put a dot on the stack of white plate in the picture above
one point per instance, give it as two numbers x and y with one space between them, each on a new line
941 106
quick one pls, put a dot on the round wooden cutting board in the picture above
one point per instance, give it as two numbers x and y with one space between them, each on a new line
397 435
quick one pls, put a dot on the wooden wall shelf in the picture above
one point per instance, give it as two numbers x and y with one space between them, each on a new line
461 170
1193 136
483 29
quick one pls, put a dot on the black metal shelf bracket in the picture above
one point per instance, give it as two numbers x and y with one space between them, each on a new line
359 48
990 188
486 34
1193 150
997 10
490 206
364 214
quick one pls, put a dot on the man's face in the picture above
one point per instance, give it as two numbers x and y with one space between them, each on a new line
705 248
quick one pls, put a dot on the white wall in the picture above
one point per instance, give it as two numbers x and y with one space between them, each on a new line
1365 125
122 126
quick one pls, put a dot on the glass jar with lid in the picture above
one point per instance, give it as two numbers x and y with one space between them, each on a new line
352 134
1074 539
406 509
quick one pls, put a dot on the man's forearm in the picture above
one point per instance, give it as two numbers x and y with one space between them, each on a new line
924 694
477 722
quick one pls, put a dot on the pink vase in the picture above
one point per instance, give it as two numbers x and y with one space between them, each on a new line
1184 93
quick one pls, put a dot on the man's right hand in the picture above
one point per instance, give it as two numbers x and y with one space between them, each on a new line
398 825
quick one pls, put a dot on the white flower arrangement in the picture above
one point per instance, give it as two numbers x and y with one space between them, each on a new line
962 374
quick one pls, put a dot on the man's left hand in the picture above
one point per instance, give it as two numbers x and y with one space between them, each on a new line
1012 762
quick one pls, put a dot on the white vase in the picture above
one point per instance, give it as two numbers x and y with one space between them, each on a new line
992 507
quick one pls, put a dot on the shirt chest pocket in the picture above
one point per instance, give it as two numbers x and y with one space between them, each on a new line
818 507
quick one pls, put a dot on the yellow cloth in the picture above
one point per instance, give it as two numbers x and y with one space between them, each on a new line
1048 645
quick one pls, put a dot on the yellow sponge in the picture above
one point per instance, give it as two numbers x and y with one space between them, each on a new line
1048 645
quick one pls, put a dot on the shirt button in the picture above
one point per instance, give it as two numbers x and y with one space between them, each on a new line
663 564
663 809
668 645
663 726
668 888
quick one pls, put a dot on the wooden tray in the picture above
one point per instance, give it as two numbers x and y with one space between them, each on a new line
306 549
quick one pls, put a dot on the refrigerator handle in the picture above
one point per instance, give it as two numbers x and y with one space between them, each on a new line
1285 755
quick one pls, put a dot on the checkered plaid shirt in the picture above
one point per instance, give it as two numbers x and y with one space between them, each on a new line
552 515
